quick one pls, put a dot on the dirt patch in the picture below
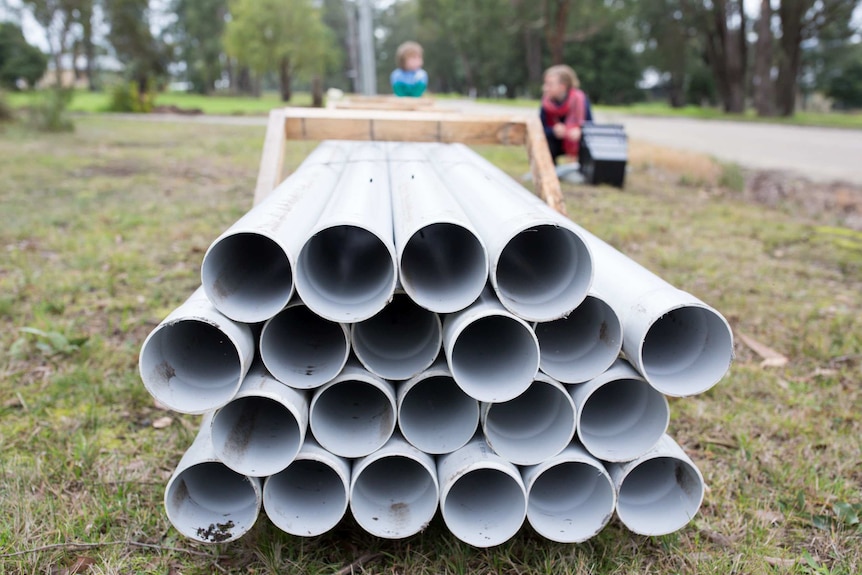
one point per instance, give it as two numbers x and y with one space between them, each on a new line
112 170
839 200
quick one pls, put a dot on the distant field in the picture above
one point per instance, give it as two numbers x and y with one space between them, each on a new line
95 102
102 233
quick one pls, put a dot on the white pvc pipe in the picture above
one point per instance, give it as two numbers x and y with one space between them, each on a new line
260 431
196 358
620 416
536 425
678 343
394 491
540 267
347 270
442 261
207 502
483 500
309 497
579 347
400 341
659 492
434 414
493 354
570 497
354 414
248 271
302 349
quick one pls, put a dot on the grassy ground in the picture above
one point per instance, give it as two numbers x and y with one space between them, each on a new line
94 102
102 233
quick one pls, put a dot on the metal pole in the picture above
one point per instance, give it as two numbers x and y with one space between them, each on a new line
368 67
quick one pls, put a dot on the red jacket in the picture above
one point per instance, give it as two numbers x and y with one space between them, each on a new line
571 112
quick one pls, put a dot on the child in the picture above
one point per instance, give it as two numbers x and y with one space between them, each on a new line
409 79
565 108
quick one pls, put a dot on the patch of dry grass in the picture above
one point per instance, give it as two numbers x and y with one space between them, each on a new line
102 233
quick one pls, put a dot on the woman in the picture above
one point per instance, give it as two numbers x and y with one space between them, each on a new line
565 108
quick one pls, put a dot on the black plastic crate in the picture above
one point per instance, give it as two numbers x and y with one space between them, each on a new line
604 154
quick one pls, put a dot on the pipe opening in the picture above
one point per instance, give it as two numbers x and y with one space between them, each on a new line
400 341
473 512
437 417
210 503
191 366
543 273
623 419
495 358
394 497
256 436
352 418
247 277
659 496
570 502
345 273
687 351
534 426
444 267
302 349
579 347
308 498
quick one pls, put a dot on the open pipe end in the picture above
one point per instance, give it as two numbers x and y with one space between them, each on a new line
210 503
579 347
256 436
191 366
307 499
660 496
247 277
543 273
400 341
686 351
534 426
302 349
622 419
571 501
494 358
346 274
436 416
471 507
352 418
393 497
444 267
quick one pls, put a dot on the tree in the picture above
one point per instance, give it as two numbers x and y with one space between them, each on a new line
18 59
802 21
55 18
606 67
198 32
287 36
142 54
764 94
845 87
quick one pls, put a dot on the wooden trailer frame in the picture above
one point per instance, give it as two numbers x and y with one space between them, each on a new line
406 126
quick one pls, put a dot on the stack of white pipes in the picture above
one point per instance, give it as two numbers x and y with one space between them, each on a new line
400 328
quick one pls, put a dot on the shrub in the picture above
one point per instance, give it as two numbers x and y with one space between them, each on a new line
125 97
49 113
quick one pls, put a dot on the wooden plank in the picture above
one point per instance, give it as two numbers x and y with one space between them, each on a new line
269 174
542 166
416 126
413 126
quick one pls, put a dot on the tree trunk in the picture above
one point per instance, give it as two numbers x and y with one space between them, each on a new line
317 92
556 20
763 90
726 51
791 13
676 92
284 79
352 48
533 53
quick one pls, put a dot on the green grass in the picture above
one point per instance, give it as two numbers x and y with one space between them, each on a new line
95 102
824 119
102 233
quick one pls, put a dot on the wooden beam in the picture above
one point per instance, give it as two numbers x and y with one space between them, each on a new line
542 166
403 126
406 126
269 174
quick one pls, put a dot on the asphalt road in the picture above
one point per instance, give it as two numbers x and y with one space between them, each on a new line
819 154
